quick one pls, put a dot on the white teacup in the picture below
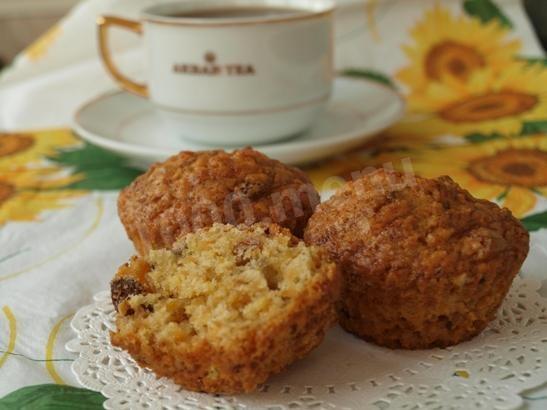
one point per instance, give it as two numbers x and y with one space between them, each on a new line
233 71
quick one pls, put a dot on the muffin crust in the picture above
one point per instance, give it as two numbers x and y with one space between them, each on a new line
424 263
193 190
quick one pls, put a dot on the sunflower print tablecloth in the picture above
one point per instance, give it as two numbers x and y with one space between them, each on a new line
475 83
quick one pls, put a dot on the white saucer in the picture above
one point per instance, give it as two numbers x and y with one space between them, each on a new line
129 125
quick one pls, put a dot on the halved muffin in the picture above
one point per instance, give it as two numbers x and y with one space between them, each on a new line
225 308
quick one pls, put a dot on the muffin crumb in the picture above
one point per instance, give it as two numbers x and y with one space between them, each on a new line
237 305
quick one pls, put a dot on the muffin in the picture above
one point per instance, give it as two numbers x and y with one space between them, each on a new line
424 264
226 307
193 190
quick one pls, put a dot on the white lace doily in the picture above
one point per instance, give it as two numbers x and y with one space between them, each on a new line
487 372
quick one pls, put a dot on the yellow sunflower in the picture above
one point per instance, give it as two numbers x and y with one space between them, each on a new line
512 171
17 149
330 174
447 47
487 103
41 46
25 193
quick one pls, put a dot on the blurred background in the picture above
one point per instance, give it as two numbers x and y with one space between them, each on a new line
22 21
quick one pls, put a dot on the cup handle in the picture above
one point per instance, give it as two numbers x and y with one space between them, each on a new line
103 23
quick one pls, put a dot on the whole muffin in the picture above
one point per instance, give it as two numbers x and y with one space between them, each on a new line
192 190
226 307
424 263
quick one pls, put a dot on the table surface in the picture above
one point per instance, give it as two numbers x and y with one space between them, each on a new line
475 83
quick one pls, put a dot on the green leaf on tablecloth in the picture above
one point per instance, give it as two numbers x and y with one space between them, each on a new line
369 74
534 127
502 196
535 221
534 60
478 137
100 169
52 397
485 11
87 156
104 179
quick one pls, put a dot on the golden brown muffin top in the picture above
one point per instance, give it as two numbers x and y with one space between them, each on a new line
192 190
402 230
193 176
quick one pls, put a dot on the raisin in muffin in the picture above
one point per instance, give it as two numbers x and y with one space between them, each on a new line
424 263
226 307
193 190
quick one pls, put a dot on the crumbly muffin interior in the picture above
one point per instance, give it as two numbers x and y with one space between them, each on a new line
219 283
